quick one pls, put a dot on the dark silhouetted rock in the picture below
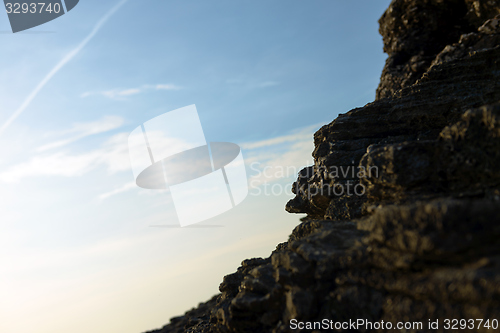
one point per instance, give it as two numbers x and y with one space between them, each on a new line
415 31
403 201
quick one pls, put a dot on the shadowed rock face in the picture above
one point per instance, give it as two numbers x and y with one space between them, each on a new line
417 236
415 31
465 75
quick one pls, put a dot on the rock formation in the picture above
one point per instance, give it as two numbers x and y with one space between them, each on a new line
403 201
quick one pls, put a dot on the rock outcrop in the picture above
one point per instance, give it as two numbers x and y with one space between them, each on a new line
415 31
403 201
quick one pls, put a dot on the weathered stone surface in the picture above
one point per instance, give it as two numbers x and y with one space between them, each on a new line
421 242
415 31
428 260
417 113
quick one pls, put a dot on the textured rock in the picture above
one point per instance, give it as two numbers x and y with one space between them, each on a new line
417 113
415 31
403 200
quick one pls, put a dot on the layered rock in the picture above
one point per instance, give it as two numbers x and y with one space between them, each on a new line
415 31
403 201
464 75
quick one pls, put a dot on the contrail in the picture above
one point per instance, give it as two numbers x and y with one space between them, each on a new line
60 65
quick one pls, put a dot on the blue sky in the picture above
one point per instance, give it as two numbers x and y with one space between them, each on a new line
76 244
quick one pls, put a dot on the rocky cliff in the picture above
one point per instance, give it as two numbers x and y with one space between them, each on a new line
403 200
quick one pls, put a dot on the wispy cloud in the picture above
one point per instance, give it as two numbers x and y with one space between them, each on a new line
270 160
113 155
60 65
121 93
279 158
82 130
299 135
124 188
